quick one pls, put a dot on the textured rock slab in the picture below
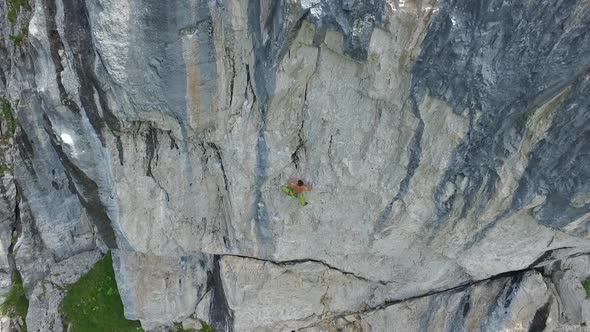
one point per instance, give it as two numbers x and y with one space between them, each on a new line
160 290
309 296
265 296
568 276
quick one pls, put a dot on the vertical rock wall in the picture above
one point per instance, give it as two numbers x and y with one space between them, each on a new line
447 143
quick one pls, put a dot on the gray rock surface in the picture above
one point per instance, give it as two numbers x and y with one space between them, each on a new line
447 142
158 290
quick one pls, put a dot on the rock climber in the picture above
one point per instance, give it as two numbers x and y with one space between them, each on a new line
298 186
295 188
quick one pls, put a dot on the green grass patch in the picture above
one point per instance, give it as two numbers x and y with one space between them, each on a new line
16 303
586 284
206 328
12 14
8 117
5 168
14 7
93 303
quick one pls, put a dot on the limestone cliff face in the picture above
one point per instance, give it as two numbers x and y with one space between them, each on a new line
448 144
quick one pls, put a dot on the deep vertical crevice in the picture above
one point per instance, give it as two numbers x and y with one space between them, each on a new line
55 46
217 153
233 75
221 315
16 231
539 322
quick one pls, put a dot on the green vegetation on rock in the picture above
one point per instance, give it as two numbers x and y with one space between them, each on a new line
206 328
8 117
586 284
93 303
14 7
16 304
5 168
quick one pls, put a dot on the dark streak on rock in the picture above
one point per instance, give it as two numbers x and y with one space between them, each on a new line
233 74
120 150
28 222
458 321
250 86
435 303
55 185
25 151
513 287
263 232
301 142
173 144
152 156
466 307
539 322
85 189
262 76
17 228
78 34
151 146
217 152
56 45
221 315
248 83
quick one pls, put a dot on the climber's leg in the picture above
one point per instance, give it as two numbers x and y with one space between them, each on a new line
301 199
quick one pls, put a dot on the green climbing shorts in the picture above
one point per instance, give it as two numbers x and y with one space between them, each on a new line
289 192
